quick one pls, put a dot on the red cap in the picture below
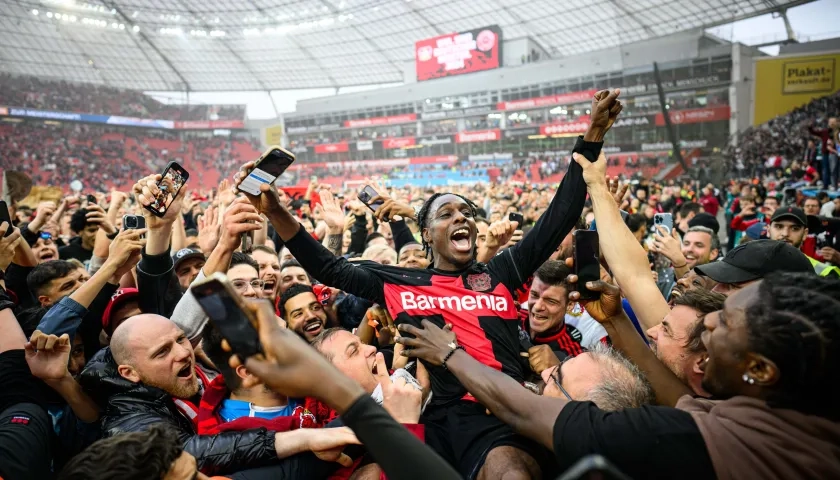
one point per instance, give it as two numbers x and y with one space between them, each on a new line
117 300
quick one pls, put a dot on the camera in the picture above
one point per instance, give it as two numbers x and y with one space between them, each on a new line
364 197
132 222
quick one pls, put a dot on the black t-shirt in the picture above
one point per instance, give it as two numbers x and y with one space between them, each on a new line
75 250
646 442
17 385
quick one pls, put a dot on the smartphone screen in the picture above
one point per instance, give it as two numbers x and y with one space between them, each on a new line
587 262
518 218
224 311
270 166
174 177
367 194
4 217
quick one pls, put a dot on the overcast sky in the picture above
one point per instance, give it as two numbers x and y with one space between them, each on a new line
813 21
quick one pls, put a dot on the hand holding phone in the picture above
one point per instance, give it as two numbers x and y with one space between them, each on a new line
225 309
4 217
518 218
267 169
173 178
366 195
663 220
587 262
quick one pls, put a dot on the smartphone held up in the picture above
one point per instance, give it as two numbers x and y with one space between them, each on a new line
367 195
587 262
227 312
173 178
267 169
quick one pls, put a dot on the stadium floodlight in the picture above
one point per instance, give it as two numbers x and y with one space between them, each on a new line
49 14
35 12
135 28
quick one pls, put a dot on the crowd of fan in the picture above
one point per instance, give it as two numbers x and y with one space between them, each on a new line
439 334
797 140
60 95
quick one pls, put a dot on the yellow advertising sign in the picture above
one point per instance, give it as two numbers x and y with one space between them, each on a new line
273 135
808 76
785 83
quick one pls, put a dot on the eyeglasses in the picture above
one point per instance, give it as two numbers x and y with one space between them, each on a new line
242 285
557 376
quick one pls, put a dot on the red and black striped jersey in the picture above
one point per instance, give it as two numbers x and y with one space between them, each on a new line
478 301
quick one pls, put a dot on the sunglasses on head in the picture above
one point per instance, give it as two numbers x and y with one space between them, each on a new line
46 235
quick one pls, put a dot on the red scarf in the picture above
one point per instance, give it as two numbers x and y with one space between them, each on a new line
186 407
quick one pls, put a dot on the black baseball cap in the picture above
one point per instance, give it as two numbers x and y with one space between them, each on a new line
755 260
791 213
704 219
186 254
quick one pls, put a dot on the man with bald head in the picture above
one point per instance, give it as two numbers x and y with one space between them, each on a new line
148 376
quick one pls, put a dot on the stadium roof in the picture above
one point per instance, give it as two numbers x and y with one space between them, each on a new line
205 45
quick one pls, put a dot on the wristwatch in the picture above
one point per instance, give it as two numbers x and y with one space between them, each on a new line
113 235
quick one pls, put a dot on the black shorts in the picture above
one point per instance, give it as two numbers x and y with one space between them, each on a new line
463 434
26 441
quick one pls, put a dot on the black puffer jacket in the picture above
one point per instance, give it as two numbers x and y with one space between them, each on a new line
134 407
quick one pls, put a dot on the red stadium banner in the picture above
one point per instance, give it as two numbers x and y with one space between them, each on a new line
561 99
458 53
377 121
332 147
209 124
566 128
400 142
695 115
479 136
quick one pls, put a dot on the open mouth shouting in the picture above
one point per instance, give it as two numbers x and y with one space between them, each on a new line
268 287
47 255
186 373
461 240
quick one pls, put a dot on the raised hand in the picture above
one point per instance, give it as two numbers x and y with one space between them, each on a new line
240 218
48 355
8 245
331 212
668 244
609 303
399 398
594 173
500 232
227 194
126 250
43 213
145 192
268 201
605 110
97 216
618 189
208 230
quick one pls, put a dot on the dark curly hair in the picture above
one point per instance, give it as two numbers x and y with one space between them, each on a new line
794 323
423 220
128 456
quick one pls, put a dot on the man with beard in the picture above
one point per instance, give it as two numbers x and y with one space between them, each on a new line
148 377
676 341
700 246
548 307
790 225
303 312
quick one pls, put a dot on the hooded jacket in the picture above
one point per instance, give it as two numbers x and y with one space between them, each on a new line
746 438
134 407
